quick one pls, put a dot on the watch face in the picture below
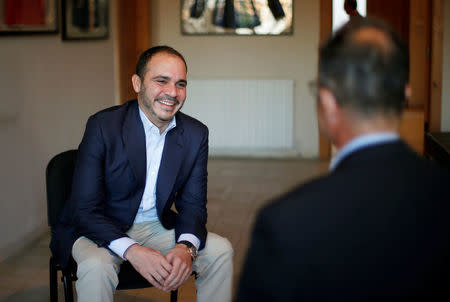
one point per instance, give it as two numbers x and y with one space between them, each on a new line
194 252
192 249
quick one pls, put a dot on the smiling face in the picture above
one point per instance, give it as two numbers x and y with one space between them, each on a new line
162 91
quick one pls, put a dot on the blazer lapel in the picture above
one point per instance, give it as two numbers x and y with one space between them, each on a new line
171 160
133 136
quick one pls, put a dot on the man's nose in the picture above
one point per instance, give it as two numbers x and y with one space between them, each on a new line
171 90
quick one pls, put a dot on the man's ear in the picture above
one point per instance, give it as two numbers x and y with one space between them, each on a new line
136 81
328 106
408 93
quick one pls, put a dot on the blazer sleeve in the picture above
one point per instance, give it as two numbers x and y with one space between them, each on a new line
88 188
190 201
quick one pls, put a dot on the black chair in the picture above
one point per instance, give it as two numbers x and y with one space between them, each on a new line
59 174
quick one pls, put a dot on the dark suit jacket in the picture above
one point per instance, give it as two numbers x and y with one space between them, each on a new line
378 226
109 180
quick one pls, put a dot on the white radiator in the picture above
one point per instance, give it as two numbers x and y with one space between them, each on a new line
248 117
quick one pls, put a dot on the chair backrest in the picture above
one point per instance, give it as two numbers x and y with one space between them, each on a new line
58 177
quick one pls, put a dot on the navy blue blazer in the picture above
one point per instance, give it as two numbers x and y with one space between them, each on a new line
376 228
109 180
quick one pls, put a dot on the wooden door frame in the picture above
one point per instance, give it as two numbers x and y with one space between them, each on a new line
434 105
437 60
132 38
326 25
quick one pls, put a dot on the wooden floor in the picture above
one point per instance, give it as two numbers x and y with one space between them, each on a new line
237 188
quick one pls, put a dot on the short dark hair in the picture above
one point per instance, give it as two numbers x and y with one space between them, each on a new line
146 56
367 76
351 3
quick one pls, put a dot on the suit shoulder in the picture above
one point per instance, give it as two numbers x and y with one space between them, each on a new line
416 168
305 195
115 111
431 168
190 122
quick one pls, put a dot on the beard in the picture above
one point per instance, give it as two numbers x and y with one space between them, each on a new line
149 103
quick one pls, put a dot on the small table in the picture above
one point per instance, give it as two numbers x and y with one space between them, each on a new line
437 148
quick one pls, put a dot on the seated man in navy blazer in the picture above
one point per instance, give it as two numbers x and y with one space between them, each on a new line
134 163
377 227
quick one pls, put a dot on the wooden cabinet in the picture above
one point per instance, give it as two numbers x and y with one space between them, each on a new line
412 128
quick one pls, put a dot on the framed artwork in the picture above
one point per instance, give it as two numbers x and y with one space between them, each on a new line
28 16
85 19
237 17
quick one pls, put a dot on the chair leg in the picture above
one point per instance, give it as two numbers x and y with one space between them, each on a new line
174 296
68 289
53 280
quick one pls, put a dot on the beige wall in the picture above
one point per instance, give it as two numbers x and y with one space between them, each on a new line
48 90
445 120
286 57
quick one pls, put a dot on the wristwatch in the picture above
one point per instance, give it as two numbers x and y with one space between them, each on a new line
192 249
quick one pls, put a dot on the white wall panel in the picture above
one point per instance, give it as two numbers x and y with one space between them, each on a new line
244 116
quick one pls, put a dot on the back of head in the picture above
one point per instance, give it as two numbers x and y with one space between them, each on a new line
366 65
351 4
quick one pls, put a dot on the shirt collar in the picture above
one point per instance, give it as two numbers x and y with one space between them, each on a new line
361 142
149 126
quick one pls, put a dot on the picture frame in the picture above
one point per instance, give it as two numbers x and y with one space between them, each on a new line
85 19
237 17
28 17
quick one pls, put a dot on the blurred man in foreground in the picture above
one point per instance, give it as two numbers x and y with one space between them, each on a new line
378 224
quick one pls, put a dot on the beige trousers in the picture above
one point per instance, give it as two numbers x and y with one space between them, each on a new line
98 267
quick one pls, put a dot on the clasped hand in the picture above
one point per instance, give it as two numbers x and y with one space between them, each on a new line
164 272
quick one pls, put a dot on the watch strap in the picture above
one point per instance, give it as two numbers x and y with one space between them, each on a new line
192 249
